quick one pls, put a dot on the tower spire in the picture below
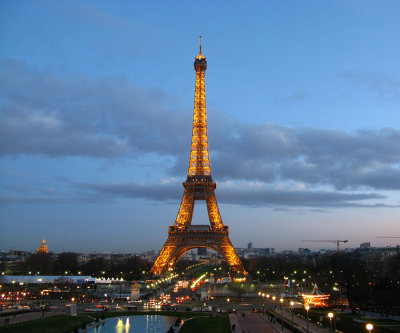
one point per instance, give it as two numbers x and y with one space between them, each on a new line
200 43
200 56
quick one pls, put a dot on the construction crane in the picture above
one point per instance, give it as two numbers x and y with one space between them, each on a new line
330 241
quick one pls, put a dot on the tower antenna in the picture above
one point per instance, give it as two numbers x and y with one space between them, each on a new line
200 42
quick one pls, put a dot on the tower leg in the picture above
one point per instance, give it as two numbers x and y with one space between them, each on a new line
228 251
164 257
185 212
213 211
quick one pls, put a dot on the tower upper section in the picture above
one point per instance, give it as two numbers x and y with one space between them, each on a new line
199 164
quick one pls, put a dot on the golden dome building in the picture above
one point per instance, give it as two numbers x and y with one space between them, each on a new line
43 249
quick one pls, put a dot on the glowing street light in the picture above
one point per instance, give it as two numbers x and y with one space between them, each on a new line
369 327
330 315
281 300
291 310
307 309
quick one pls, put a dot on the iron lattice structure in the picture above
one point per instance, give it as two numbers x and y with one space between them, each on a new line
183 236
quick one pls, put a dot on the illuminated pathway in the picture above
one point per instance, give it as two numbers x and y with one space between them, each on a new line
301 322
253 323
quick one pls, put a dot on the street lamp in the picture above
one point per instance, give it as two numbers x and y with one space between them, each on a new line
307 308
291 310
273 307
262 295
330 315
369 327
281 300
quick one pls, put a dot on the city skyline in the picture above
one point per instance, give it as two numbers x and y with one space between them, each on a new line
96 102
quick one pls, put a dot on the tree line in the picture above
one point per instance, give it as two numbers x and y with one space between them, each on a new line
131 268
372 283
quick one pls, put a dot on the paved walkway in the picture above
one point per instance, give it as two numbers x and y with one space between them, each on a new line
252 323
301 322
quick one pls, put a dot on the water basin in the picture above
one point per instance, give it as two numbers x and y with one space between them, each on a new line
137 324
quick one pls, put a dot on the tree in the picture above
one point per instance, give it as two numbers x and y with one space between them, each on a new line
94 267
350 273
66 262
39 262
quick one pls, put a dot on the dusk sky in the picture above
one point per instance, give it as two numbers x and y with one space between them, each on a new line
96 104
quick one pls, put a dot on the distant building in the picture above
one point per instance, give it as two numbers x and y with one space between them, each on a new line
304 251
12 262
365 245
135 292
201 251
43 249
255 252
250 245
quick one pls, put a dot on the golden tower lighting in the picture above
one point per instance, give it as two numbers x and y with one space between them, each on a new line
183 236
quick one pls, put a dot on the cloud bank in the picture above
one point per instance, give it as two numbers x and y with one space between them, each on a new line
51 115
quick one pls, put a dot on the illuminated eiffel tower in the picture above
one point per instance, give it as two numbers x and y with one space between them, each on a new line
183 236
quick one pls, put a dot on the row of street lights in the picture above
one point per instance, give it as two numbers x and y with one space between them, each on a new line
368 326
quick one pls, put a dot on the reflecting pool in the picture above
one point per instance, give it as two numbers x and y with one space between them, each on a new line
136 324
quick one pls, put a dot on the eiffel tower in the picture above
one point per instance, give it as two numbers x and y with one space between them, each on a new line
183 236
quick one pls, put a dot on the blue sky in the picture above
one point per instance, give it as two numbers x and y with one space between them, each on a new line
96 101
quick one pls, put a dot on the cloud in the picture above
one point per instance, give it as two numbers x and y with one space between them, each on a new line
295 97
240 193
47 114
269 152
10 200
77 115
382 84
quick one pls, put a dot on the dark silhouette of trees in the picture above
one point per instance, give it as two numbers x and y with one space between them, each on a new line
129 268
66 262
275 267
350 274
386 291
94 267
368 281
39 262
